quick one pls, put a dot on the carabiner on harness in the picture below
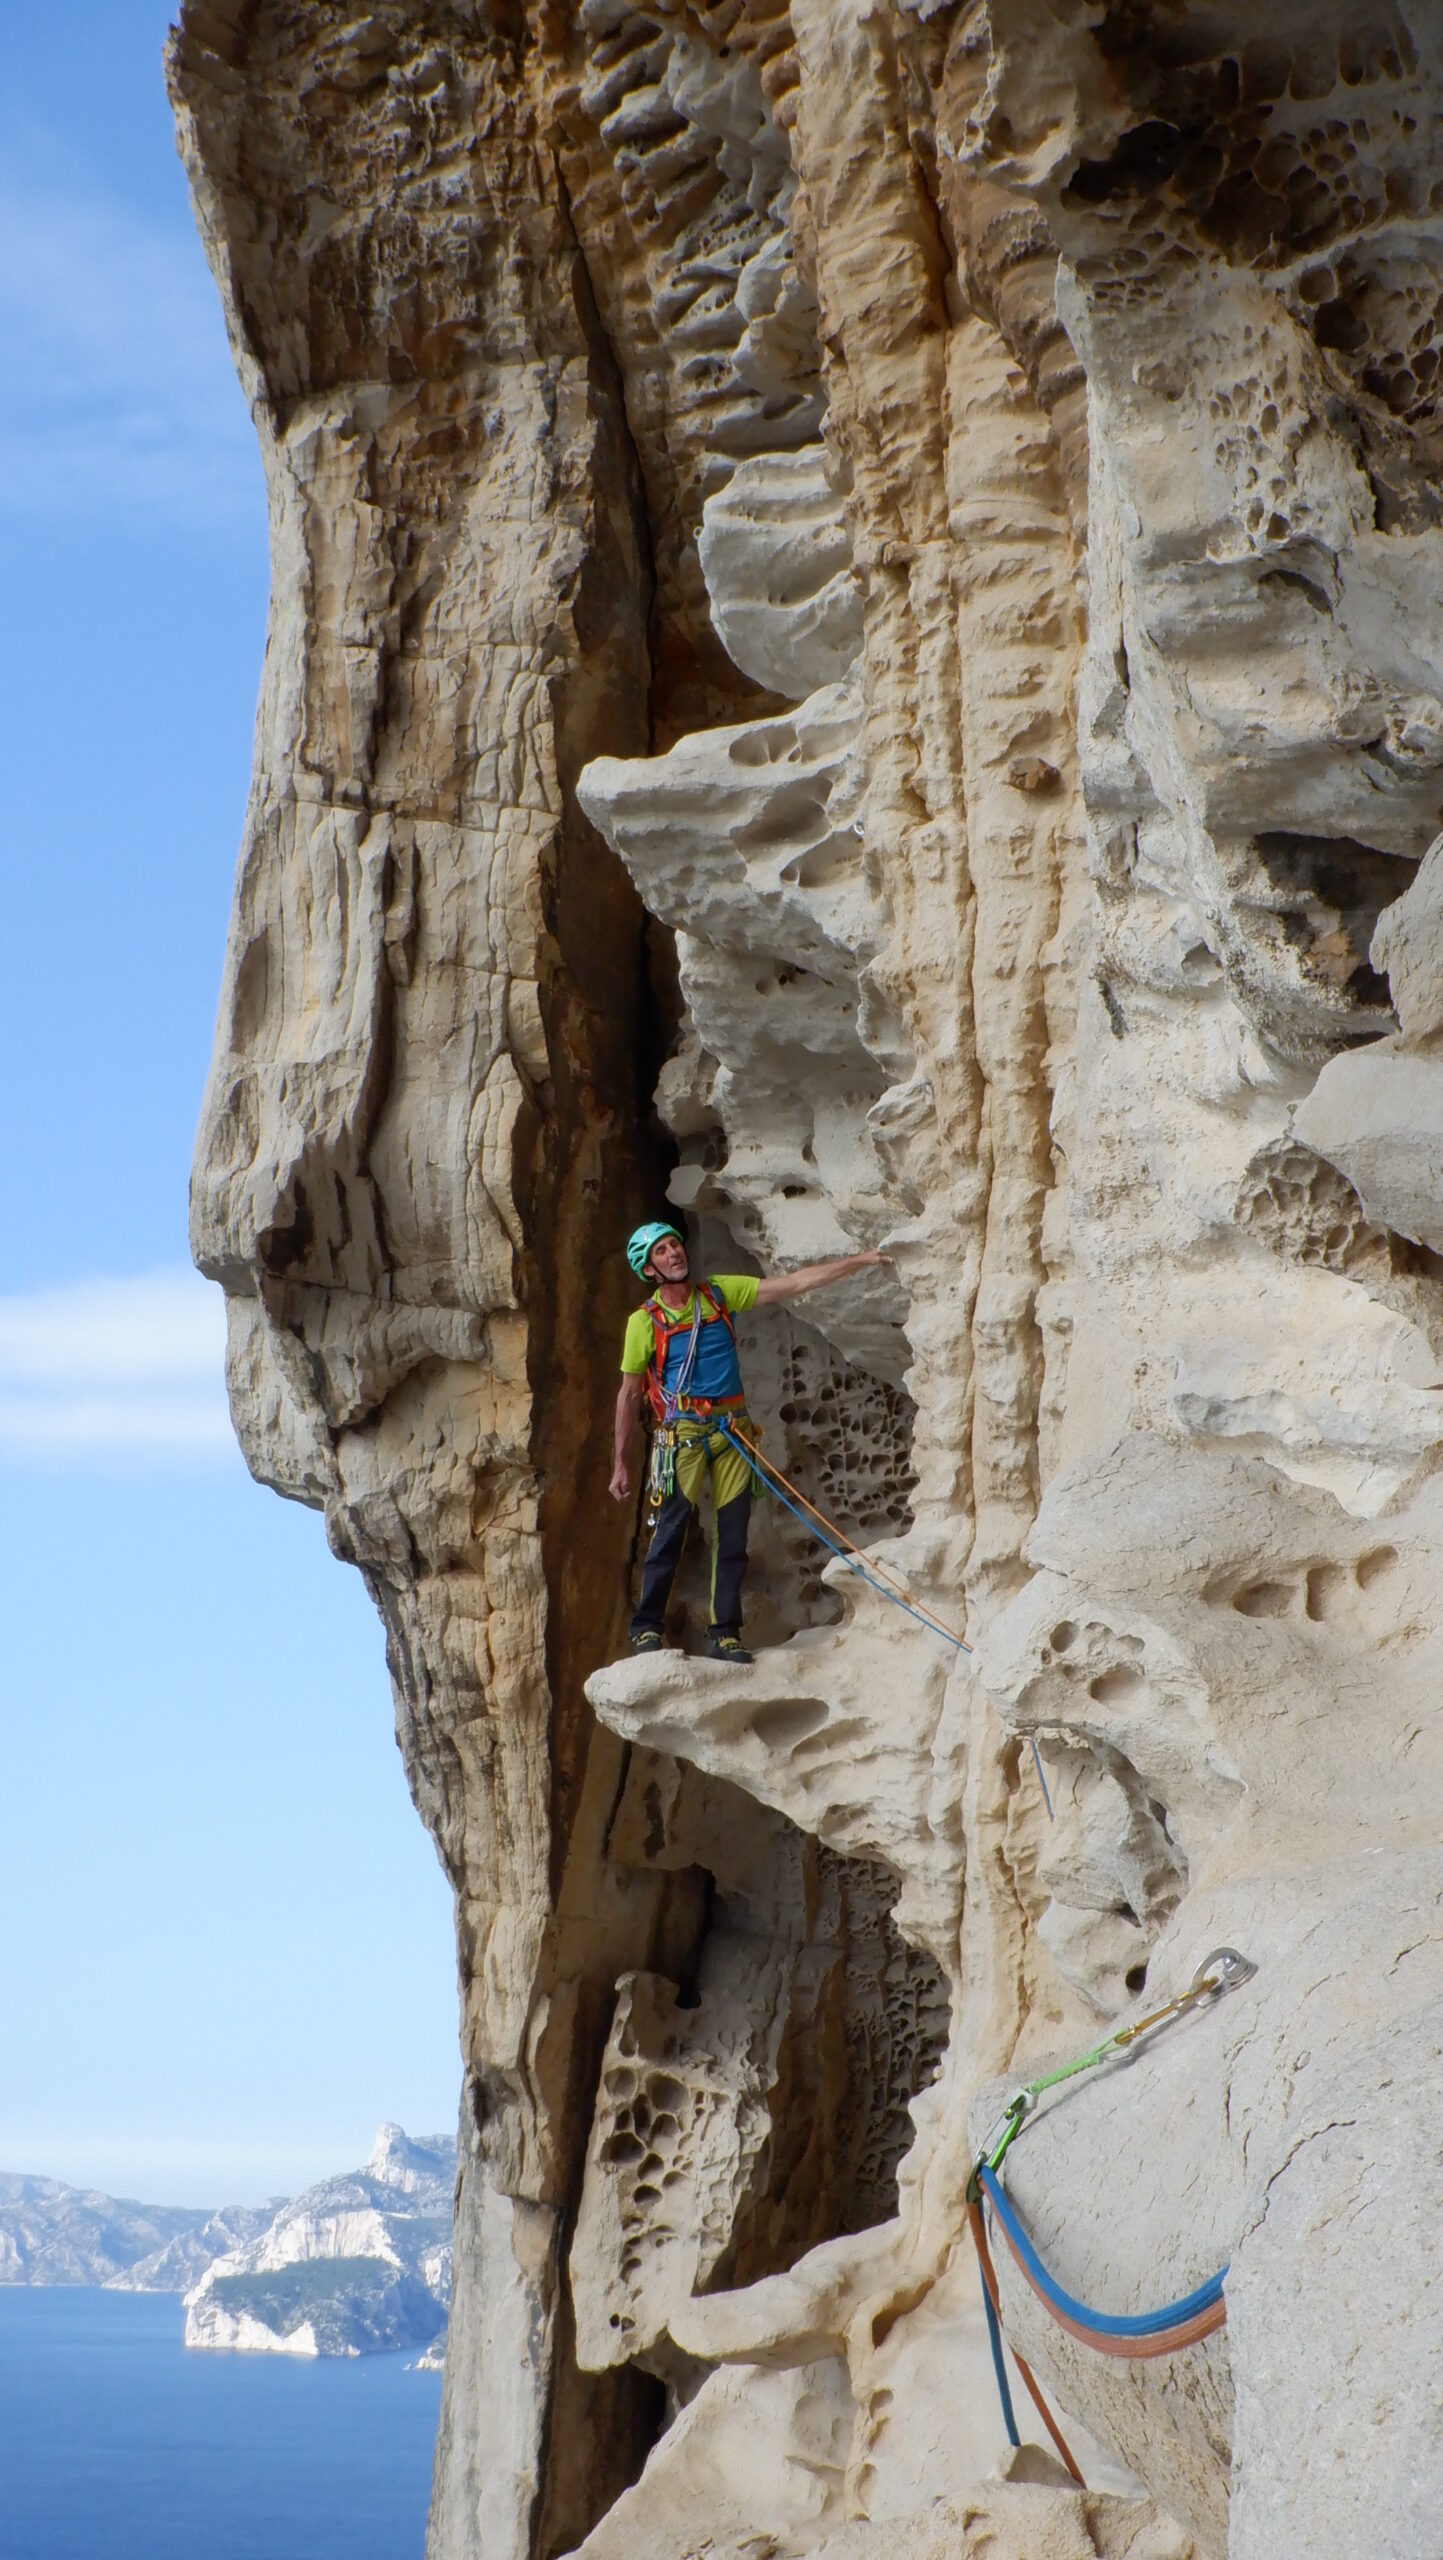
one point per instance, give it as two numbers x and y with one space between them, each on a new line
661 1466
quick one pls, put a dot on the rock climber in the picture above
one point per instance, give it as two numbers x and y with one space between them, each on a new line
680 1357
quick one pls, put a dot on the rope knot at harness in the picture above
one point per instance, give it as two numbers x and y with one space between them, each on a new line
1133 2334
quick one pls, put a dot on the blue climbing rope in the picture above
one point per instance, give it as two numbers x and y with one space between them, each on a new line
1134 2334
999 2367
761 1466
1107 2324
755 1460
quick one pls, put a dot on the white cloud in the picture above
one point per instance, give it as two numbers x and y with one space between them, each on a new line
115 1369
119 393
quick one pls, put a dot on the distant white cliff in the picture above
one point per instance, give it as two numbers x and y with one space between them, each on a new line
358 2265
355 2266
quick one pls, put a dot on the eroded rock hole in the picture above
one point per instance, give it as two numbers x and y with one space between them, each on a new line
1112 1870
1351 1593
1372 1567
730 2138
1329 892
1144 157
1263 1600
1294 932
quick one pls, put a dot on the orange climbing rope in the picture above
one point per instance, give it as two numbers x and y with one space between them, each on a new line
994 2328
868 1564
877 1575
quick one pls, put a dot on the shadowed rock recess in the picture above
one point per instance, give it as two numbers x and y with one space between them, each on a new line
857 642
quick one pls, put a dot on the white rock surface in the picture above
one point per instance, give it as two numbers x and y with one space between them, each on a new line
1408 946
745 841
777 558
1378 1116
1044 406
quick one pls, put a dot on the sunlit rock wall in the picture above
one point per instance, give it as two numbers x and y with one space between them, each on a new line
857 645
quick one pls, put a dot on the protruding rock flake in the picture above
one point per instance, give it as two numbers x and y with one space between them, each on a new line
856 659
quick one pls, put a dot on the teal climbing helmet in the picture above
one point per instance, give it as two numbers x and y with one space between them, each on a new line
639 1246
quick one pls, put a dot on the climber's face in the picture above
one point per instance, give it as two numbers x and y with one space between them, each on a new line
669 1259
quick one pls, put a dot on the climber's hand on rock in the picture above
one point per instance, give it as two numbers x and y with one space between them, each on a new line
620 1485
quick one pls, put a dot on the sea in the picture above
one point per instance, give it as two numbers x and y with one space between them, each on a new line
115 2444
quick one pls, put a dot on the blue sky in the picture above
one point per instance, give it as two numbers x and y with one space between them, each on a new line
225 1944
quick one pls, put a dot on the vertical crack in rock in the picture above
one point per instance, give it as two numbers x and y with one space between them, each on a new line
855 644
423 1113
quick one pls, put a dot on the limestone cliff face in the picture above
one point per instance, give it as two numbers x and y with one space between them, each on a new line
856 643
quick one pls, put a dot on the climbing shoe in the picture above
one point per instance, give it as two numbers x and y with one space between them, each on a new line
646 1640
725 1648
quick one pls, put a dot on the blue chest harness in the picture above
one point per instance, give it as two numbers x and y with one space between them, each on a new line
694 1364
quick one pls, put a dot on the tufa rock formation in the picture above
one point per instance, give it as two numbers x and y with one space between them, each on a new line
857 644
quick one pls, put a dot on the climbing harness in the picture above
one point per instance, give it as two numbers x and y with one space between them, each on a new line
670 1439
874 1573
668 1405
666 1402
1131 2335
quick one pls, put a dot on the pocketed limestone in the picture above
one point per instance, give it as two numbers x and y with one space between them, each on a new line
856 645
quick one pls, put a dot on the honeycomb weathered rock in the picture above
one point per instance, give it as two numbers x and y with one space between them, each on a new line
869 570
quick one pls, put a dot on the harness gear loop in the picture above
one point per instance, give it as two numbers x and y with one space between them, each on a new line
661 1465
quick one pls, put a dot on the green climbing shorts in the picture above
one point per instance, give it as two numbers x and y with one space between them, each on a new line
700 1445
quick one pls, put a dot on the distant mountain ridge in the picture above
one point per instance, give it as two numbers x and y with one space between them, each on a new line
53 2234
356 2265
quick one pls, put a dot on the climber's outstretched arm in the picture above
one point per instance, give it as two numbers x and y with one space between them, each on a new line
814 1275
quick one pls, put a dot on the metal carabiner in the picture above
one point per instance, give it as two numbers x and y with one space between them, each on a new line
1009 2124
1228 1969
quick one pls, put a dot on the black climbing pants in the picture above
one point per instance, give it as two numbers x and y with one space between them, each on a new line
729 1563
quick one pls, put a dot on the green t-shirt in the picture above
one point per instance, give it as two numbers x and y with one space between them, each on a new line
736 1289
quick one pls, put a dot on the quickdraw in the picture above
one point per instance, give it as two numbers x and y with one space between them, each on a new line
1223 1970
1131 2335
